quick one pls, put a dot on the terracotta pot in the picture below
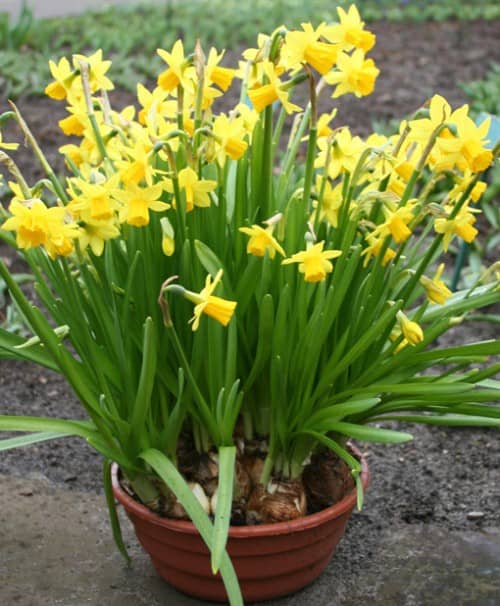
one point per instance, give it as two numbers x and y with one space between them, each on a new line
271 560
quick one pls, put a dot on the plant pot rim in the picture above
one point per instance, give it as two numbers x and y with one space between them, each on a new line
241 532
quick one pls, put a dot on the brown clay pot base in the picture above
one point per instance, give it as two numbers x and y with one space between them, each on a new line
271 560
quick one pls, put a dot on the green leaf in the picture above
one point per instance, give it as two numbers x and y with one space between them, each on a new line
31 438
113 516
338 411
173 479
211 262
450 420
369 434
227 458
146 381
264 340
83 429
9 348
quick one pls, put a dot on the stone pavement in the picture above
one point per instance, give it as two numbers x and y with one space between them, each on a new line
61 8
56 549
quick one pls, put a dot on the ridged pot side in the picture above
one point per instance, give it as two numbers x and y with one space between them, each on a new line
271 560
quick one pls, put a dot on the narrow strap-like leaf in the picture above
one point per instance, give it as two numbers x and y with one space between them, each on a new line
113 516
227 458
32 438
177 484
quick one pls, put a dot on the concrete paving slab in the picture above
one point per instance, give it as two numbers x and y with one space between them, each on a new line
62 8
56 550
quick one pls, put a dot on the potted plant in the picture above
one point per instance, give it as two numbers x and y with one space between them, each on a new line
233 297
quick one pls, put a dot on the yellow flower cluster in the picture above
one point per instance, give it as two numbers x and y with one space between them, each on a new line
173 156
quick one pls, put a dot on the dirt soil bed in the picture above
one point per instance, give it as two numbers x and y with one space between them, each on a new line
447 477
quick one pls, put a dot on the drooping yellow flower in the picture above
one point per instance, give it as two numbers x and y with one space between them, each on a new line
354 74
179 71
305 47
411 330
421 129
95 234
330 203
35 224
323 124
462 225
138 201
94 201
467 149
64 76
30 221
262 241
97 70
374 248
137 167
77 121
435 288
215 74
155 104
206 303
314 262
229 137
196 190
396 222
343 154
270 90
350 32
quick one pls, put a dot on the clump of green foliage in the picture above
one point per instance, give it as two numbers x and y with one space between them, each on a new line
485 94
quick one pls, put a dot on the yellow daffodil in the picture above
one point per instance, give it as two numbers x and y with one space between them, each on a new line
412 331
94 201
229 137
462 225
262 241
396 222
137 167
215 74
467 150
374 248
331 201
94 234
179 71
196 190
314 262
64 76
323 124
421 129
155 104
271 90
35 224
435 288
305 47
349 33
206 303
138 201
343 154
97 70
353 74
30 221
